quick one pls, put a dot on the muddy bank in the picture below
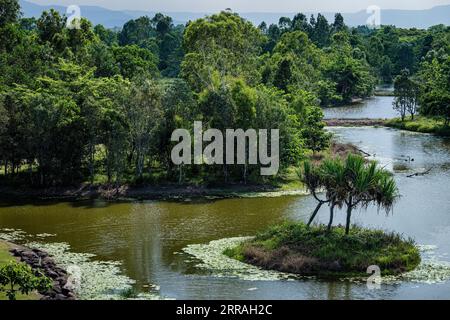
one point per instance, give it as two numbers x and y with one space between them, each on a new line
354 122
40 260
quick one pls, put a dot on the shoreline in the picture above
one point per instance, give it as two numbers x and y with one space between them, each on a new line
355 122
127 193
168 192
41 260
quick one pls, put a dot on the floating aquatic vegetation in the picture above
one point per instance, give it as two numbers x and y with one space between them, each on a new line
100 280
12 234
213 260
273 194
431 270
45 235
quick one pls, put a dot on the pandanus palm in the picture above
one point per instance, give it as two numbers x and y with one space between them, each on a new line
334 183
367 184
312 179
352 182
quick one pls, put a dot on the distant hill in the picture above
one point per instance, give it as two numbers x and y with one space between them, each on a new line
110 18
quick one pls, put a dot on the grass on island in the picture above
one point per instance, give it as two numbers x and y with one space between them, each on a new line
421 124
295 248
5 257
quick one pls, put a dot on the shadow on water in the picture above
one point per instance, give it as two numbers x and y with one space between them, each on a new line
149 236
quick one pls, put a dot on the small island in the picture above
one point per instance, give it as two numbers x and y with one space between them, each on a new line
324 250
315 251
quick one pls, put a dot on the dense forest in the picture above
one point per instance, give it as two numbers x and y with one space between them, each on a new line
91 104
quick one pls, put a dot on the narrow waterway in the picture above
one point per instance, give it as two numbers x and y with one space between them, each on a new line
163 245
372 108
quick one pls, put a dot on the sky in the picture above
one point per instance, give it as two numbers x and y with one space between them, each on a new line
251 5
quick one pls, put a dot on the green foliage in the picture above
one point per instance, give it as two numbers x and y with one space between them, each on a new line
319 251
434 75
406 94
100 105
316 139
219 46
9 12
18 277
421 124
352 182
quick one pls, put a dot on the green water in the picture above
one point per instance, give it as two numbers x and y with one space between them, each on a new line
157 243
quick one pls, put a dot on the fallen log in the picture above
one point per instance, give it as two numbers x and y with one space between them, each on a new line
419 173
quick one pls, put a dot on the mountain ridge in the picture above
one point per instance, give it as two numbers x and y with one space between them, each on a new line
422 19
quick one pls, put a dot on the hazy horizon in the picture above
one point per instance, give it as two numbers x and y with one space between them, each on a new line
264 6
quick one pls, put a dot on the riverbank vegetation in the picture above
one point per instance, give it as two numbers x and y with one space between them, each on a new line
315 250
17 280
426 92
92 105
421 124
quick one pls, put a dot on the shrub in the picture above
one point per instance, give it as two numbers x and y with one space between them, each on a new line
17 277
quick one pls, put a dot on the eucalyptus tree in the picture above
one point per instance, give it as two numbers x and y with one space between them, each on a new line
406 94
144 111
220 46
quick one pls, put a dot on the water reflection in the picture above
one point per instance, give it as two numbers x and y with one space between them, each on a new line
373 108
148 237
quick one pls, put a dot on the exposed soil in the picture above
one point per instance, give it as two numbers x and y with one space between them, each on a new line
354 122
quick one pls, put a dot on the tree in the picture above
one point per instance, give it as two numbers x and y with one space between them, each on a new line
405 91
311 177
351 182
386 70
338 24
143 115
219 46
434 93
366 183
134 61
136 31
9 12
334 183
50 28
285 24
321 31
162 24
300 22
18 277
316 138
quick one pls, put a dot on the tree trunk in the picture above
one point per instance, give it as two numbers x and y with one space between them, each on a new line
349 216
91 163
319 205
180 176
330 223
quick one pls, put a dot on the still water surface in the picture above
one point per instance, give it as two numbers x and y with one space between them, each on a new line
374 108
149 237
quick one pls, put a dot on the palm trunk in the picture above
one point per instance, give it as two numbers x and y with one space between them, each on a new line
349 216
330 223
319 205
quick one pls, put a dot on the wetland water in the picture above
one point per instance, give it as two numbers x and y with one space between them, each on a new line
157 242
